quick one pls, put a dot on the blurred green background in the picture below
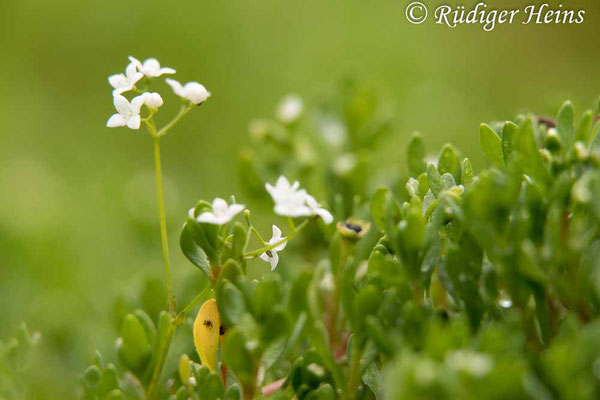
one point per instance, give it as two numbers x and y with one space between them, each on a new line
77 200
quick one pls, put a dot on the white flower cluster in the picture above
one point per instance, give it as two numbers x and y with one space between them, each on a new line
291 201
128 112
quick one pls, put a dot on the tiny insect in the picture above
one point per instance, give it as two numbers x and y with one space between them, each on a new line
221 330
207 323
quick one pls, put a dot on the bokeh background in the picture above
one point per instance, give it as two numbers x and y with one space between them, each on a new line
77 200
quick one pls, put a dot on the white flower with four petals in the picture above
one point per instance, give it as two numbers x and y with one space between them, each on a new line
125 82
221 212
271 256
291 201
128 113
151 67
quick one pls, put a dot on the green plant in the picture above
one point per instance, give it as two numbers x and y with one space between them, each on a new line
446 284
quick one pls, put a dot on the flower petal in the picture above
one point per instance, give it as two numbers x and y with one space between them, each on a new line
208 218
325 215
166 70
176 86
134 122
274 261
235 209
135 77
116 120
276 232
219 205
137 103
135 62
131 70
151 67
121 104
117 80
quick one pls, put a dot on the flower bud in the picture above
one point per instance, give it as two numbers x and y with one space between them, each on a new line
353 229
153 100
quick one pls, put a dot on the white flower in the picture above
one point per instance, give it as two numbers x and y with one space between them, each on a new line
153 100
151 67
221 213
193 91
128 113
271 256
291 201
316 209
290 108
124 82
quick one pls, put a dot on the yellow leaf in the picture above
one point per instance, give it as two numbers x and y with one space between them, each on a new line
206 333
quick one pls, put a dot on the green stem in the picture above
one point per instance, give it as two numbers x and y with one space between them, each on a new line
160 362
184 110
257 234
164 350
187 309
293 233
354 373
163 228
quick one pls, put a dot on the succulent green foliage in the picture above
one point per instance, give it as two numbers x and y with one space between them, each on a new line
469 284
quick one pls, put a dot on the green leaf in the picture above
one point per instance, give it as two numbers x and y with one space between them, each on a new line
234 392
212 388
530 159
379 335
267 295
463 266
595 142
148 325
136 347
412 231
436 183
467 173
230 302
447 162
378 207
323 392
108 382
91 377
237 357
508 140
230 271
240 239
584 129
366 302
564 124
192 250
374 380
415 155
491 144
